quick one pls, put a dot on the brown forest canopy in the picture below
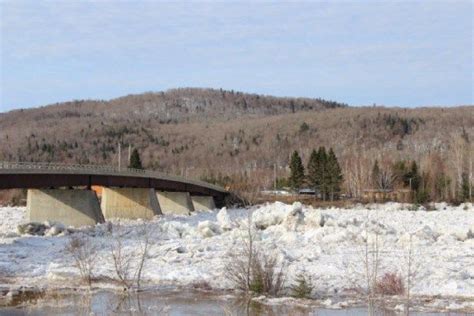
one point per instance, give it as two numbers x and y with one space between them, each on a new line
197 132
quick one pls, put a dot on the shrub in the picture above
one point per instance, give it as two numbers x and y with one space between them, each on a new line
304 127
261 275
85 256
129 262
303 287
390 284
252 270
202 285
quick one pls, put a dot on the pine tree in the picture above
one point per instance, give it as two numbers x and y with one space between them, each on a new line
399 171
297 171
303 287
321 177
313 168
375 174
135 161
413 178
421 194
334 175
465 185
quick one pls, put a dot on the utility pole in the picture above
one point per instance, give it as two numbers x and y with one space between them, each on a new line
129 153
119 155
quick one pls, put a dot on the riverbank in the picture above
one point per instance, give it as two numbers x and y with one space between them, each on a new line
327 245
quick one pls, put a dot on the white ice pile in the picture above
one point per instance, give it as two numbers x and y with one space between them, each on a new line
327 244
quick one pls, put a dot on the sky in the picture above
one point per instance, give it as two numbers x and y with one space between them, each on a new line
394 53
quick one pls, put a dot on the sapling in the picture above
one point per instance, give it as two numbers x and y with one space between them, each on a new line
84 253
302 287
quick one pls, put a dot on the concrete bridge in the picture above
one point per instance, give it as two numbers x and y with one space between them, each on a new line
79 195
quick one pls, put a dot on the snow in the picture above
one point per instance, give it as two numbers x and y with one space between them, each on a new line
326 244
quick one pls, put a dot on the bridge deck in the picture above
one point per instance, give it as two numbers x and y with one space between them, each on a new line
18 175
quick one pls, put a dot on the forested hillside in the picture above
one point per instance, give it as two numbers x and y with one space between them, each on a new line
216 134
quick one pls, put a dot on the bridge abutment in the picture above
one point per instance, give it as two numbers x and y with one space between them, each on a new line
179 203
129 203
203 202
69 207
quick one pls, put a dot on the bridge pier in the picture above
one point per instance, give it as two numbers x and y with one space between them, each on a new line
129 203
203 202
178 203
70 207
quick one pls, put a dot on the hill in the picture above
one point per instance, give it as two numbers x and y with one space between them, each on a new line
204 132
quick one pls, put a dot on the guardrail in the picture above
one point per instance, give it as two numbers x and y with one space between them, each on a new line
97 169
62 166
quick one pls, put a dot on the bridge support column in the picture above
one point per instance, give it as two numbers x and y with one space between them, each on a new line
129 203
203 203
69 207
178 203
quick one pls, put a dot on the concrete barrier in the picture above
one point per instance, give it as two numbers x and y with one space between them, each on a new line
203 203
175 202
129 203
70 207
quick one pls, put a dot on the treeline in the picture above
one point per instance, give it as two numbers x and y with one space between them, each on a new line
323 173
432 184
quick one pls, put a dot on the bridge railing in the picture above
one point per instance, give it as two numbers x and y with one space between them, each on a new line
68 167
96 169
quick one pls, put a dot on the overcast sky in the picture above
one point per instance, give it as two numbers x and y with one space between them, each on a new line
404 53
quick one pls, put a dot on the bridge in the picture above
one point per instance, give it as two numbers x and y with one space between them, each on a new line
79 195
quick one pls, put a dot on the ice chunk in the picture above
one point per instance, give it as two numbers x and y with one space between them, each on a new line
223 219
56 229
270 215
209 229
294 218
312 218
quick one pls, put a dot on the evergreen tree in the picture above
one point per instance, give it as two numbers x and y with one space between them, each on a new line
413 178
334 175
321 175
313 169
421 194
465 185
135 161
399 171
375 174
441 185
303 287
297 171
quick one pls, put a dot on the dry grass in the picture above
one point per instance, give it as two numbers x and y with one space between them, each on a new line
202 285
390 284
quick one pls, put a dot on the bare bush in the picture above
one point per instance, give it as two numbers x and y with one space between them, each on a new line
371 259
129 263
250 269
202 285
247 190
390 284
84 253
265 275
412 268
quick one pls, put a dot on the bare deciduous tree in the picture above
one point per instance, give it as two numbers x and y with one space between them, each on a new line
129 262
84 253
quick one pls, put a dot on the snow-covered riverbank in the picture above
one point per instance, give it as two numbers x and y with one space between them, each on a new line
326 245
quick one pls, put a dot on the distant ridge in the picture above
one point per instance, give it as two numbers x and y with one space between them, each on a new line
194 131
